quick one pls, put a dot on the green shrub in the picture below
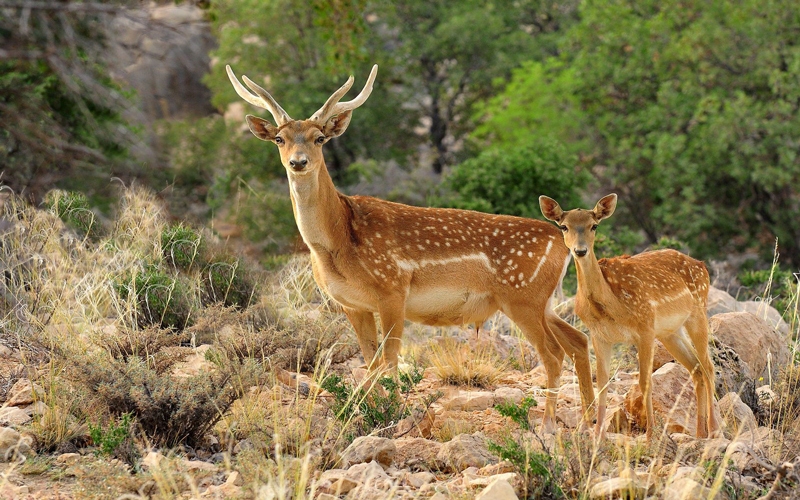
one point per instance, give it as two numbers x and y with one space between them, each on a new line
509 181
73 208
161 299
108 439
225 280
375 409
541 470
181 246
517 412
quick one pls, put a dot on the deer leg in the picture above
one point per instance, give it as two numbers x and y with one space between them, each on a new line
536 331
697 327
602 353
645 348
392 313
367 334
576 346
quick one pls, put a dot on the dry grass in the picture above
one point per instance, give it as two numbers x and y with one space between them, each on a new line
459 363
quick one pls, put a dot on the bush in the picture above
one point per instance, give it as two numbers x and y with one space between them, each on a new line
225 280
517 412
181 246
509 181
73 208
161 299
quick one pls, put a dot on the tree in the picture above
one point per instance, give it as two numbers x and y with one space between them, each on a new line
688 111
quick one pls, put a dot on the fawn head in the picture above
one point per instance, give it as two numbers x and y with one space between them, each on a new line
578 226
300 141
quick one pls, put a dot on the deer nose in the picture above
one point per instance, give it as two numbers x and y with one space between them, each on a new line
298 162
580 252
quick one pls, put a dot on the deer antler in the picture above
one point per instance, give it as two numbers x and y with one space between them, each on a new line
333 107
262 99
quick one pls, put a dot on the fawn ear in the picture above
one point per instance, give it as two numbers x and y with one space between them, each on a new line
261 128
550 208
605 207
336 125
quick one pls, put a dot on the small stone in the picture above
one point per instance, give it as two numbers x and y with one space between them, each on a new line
68 458
23 393
618 487
508 395
463 451
497 490
737 415
152 460
684 488
13 445
244 444
13 416
419 479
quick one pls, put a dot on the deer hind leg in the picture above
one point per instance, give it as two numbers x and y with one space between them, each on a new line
392 314
680 346
537 332
576 346
697 328
367 334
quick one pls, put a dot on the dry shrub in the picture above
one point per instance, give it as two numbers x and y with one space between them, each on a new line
458 363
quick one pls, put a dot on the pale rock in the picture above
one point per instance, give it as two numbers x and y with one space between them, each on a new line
38 408
720 301
508 395
419 479
13 416
13 445
766 312
756 342
243 445
469 401
5 351
416 453
617 421
570 416
661 356
499 489
742 456
194 364
619 487
326 496
24 392
465 450
152 460
8 490
369 475
197 465
685 489
738 416
766 395
177 14
570 394
419 424
484 481
365 449
336 482
68 458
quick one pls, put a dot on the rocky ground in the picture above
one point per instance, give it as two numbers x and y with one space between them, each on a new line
442 449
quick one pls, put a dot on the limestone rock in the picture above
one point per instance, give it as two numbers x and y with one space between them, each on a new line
685 489
193 364
618 487
766 312
24 392
617 421
508 395
336 482
673 398
369 476
465 450
737 415
365 449
499 489
753 339
720 301
416 454
418 424
13 446
13 416
469 401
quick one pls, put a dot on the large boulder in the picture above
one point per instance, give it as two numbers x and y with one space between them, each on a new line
463 451
720 302
365 449
758 344
416 454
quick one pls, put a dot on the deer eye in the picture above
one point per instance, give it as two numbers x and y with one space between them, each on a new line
563 228
320 139
594 228
279 140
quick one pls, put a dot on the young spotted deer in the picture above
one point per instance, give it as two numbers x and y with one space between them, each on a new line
428 265
654 295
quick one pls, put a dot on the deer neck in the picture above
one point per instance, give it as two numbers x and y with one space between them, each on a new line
318 209
591 282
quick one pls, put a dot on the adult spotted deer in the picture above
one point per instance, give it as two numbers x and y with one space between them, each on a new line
654 295
429 265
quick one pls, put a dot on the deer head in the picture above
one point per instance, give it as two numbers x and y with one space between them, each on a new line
579 226
300 141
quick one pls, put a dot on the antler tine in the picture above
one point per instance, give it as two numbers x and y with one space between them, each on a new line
323 112
262 100
333 107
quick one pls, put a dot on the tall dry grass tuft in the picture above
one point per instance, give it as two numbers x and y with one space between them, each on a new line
459 363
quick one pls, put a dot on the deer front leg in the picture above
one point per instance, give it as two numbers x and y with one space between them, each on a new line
392 313
367 334
602 353
576 346
645 347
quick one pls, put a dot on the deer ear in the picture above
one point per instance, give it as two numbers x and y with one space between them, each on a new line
261 128
336 125
550 208
605 207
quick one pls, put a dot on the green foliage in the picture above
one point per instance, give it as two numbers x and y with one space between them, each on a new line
73 208
687 110
181 245
541 469
108 439
379 407
227 281
161 299
517 412
509 181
